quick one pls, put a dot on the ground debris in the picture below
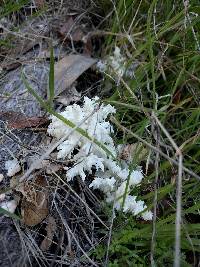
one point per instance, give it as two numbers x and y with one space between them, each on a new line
20 117
70 31
16 120
35 202
51 229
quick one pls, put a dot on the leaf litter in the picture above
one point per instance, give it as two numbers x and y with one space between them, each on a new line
69 69
21 114
35 201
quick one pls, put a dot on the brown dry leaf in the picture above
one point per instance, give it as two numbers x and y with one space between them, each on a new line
51 229
66 27
77 35
35 206
27 122
177 97
16 120
68 69
10 116
70 31
11 65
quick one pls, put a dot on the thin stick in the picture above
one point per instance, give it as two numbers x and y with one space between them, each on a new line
86 205
177 253
73 236
153 237
110 233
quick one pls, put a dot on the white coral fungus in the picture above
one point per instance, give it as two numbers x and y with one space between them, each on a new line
2 197
114 63
1 177
9 206
117 65
12 167
86 155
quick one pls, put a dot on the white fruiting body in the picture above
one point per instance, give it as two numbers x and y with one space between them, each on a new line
9 206
12 167
85 154
2 197
117 65
1 177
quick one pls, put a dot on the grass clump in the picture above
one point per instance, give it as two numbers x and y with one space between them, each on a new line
160 41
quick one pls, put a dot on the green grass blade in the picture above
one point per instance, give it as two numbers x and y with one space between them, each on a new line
11 6
5 212
32 91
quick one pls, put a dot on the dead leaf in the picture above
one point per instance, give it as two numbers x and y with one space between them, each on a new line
70 31
66 27
17 120
11 66
77 35
27 123
51 229
177 97
35 206
68 69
